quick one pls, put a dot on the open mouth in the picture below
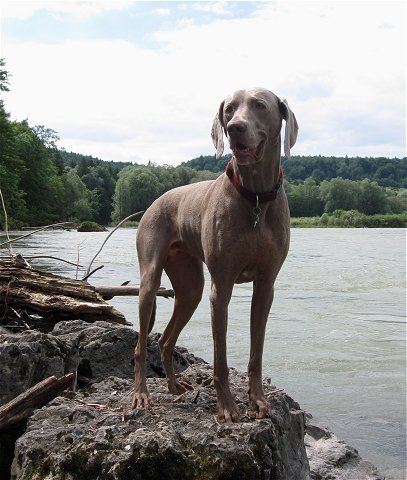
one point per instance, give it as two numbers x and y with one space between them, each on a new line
241 149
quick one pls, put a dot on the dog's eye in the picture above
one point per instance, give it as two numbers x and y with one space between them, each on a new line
260 105
229 109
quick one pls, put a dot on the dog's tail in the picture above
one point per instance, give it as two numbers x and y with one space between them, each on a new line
152 318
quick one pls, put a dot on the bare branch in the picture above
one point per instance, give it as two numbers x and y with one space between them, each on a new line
9 241
92 272
55 258
6 225
107 238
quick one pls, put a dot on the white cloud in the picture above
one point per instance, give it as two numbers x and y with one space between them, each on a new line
344 79
23 10
162 11
218 8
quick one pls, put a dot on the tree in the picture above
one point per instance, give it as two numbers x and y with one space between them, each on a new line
11 169
304 199
339 194
39 178
78 205
136 189
11 166
372 198
4 74
100 183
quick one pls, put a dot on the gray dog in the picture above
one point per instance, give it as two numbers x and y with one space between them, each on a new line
239 225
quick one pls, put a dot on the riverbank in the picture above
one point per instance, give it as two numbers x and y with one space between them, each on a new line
351 219
340 219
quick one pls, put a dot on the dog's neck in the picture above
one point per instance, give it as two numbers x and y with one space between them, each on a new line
263 175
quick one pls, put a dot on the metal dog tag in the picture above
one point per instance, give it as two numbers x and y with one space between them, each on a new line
256 212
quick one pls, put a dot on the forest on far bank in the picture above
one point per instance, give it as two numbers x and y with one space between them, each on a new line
49 185
43 184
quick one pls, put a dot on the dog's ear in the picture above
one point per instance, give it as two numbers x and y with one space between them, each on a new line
291 127
217 132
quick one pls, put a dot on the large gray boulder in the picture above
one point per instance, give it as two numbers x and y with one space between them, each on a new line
95 350
28 358
331 458
94 434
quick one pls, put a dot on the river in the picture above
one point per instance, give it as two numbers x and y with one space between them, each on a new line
336 336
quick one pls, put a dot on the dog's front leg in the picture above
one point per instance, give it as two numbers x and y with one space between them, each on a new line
263 293
141 397
226 407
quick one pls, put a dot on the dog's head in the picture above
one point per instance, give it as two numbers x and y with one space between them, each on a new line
251 120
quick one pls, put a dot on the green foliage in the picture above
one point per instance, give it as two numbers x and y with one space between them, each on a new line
208 162
304 199
85 162
39 179
11 169
339 193
308 199
89 226
3 77
352 218
136 189
387 172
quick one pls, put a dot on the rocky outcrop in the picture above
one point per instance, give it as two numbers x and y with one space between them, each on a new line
93 434
95 351
331 458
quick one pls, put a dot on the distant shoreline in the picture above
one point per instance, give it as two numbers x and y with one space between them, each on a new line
341 219
351 219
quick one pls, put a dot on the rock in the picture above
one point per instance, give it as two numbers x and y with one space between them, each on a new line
95 350
26 359
94 434
332 459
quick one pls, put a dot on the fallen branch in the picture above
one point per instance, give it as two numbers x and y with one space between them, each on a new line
99 406
37 396
9 241
6 224
109 292
54 258
92 272
53 297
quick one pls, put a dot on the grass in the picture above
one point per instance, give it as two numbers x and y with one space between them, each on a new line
352 219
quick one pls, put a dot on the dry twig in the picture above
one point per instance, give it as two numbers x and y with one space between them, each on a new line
87 274
6 224
9 241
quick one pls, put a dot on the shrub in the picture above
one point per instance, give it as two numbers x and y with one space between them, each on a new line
91 227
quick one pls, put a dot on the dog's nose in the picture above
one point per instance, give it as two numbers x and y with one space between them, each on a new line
236 127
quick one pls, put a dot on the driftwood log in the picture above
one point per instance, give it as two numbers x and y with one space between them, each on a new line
42 298
109 292
21 407
53 297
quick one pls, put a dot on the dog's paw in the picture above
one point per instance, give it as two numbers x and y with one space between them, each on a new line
179 387
259 409
228 412
142 401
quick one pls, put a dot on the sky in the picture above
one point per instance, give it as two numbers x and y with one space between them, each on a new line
142 81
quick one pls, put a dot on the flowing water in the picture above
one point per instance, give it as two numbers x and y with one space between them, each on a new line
336 336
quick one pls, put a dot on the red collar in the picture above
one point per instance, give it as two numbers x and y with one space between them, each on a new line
253 197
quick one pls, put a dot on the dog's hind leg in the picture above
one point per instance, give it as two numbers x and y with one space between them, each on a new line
151 262
186 275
